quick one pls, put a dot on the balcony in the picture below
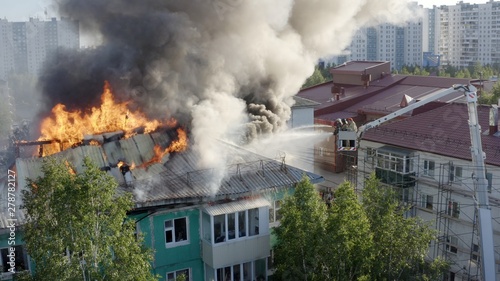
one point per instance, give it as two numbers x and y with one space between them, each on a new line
237 251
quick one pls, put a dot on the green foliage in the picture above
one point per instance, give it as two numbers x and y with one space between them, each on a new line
325 71
300 235
77 228
400 244
490 97
475 71
348 236
369 239
315 79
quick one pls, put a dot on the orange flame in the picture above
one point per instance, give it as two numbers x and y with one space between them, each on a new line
176 146
69 128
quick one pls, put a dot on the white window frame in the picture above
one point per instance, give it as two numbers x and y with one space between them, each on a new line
453 209
274 209
391 161
174 242
179 272
425 202
427 171
452 244
238 232
456 174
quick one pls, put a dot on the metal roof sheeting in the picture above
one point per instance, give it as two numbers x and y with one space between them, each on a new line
178 177
236 206
444 131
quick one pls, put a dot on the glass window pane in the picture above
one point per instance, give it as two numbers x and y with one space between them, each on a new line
180 229
220 228
242 224
260 270
168 236
168 224
207 227
253 222
247 271
231 224
184 272
236 272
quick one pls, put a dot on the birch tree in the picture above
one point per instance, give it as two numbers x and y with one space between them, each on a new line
77 227
300 235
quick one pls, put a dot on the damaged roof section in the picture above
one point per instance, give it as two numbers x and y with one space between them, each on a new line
176 179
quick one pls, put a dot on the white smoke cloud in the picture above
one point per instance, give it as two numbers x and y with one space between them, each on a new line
219 64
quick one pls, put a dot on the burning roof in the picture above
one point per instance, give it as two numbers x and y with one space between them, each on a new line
177 178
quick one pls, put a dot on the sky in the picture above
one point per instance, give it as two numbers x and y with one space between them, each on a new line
22 10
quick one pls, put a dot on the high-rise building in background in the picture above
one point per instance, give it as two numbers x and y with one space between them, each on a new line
457 35
25 46
468 33
401 45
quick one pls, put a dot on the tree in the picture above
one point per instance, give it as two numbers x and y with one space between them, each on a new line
399 244
300 235
349 240
315 79
367 239
490 97
77 227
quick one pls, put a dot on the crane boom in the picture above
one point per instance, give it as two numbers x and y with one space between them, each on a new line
481 190
479 175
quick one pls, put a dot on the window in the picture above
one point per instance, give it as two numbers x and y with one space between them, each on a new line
426 201
451 244
370 154
453 209
429 168
475 252
489 178
20 263
242 224
274 212
404 195
245 225
392 161
176 231
455 174
253 222
231 226
172 276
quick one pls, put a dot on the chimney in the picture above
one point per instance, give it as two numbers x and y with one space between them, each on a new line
493 119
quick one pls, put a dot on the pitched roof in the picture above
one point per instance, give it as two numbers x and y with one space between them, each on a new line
177 179
303 102
381 97
443 131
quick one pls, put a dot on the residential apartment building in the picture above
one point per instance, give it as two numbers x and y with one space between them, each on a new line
459 35
400 45
205 228
199 225
427 159
25 46
467 33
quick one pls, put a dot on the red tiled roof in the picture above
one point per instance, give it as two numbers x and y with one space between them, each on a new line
443 131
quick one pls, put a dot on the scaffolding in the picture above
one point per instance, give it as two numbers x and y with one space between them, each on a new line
439 195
